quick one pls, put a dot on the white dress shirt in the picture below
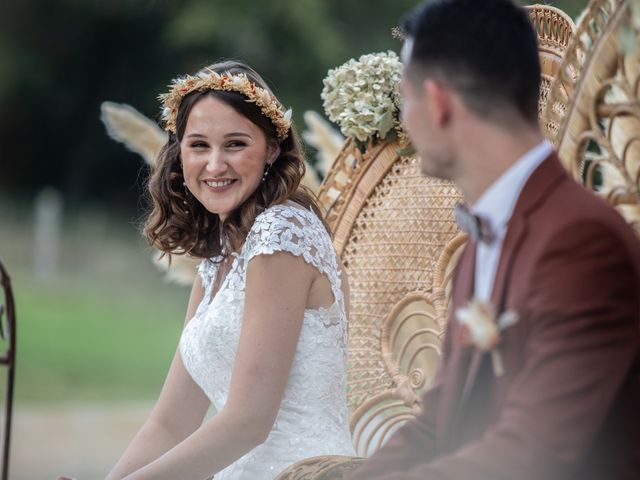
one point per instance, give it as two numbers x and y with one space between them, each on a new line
496 206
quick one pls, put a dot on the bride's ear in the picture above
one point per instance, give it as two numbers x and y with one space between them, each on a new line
273 152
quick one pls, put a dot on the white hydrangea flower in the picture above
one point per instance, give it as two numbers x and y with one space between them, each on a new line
358 94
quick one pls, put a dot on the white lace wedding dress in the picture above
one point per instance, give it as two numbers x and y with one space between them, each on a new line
313 415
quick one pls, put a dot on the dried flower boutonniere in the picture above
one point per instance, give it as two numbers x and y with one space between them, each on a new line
482 329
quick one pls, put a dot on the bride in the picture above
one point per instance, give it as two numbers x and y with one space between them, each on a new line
265 334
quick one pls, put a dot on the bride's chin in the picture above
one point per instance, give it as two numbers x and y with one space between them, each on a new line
225 208
222 213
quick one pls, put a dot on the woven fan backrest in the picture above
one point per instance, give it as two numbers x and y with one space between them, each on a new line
594 106
397 237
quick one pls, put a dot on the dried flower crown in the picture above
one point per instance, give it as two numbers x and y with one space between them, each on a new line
210 80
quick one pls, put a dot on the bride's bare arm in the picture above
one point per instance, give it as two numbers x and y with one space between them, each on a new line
178 413
277 287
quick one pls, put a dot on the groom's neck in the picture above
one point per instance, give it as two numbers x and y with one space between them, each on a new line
486 151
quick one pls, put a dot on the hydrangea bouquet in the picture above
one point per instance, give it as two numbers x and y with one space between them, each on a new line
362 97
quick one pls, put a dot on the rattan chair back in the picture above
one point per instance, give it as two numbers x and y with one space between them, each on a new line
594 106
396 235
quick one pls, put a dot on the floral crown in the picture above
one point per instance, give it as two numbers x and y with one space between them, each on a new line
208 79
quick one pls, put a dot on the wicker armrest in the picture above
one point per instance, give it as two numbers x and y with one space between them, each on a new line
326 467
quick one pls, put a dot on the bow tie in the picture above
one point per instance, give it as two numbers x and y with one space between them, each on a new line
477 227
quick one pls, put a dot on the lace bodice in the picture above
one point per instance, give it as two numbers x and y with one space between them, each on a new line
313 415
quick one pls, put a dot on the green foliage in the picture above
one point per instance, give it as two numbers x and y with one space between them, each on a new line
85 344
59 60
105 327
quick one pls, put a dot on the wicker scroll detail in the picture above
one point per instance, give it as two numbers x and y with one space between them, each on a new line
598 135
555 30
410 348
410 345
560 103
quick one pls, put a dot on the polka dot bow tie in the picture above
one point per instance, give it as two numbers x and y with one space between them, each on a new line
475 226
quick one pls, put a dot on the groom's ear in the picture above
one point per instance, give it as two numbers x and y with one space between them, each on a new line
439 101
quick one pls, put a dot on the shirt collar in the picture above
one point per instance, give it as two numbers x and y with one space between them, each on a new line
498 202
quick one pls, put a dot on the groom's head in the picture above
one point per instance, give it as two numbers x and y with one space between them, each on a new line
466 60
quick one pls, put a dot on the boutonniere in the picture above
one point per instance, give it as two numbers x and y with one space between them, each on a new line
482 329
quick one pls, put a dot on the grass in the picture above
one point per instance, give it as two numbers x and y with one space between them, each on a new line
89 345
104 328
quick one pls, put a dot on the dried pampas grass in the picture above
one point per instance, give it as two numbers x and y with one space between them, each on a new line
322 136
138 133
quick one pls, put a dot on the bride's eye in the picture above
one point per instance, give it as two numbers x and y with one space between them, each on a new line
236 144
198 145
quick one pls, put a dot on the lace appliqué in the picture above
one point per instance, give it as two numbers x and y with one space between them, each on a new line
301 233
208 269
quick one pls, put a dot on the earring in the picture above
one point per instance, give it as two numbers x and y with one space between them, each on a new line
186 194
266 172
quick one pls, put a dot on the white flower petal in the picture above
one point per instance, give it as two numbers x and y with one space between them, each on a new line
507 319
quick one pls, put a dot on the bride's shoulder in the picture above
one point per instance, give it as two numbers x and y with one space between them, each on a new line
289 226
287 215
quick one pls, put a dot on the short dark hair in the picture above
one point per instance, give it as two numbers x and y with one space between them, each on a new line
486 50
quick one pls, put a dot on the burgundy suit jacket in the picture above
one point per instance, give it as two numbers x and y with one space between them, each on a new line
568 404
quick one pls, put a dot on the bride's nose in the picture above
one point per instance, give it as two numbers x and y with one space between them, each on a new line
216 162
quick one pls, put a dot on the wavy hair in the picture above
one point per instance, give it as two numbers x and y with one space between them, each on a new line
179 224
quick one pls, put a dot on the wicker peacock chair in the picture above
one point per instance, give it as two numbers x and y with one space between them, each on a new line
396 235
593 110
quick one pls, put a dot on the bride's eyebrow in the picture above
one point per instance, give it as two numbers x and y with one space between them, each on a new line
237 134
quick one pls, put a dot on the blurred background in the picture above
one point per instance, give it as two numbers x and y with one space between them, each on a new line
97 322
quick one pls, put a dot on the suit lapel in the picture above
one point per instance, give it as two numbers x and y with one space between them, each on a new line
465 276
458 356
512 242
541 181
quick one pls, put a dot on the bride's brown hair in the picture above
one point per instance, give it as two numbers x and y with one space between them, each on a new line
179 224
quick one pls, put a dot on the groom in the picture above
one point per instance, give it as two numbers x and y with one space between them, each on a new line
567 403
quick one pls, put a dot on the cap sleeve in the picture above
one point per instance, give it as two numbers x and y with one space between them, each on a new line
284 228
